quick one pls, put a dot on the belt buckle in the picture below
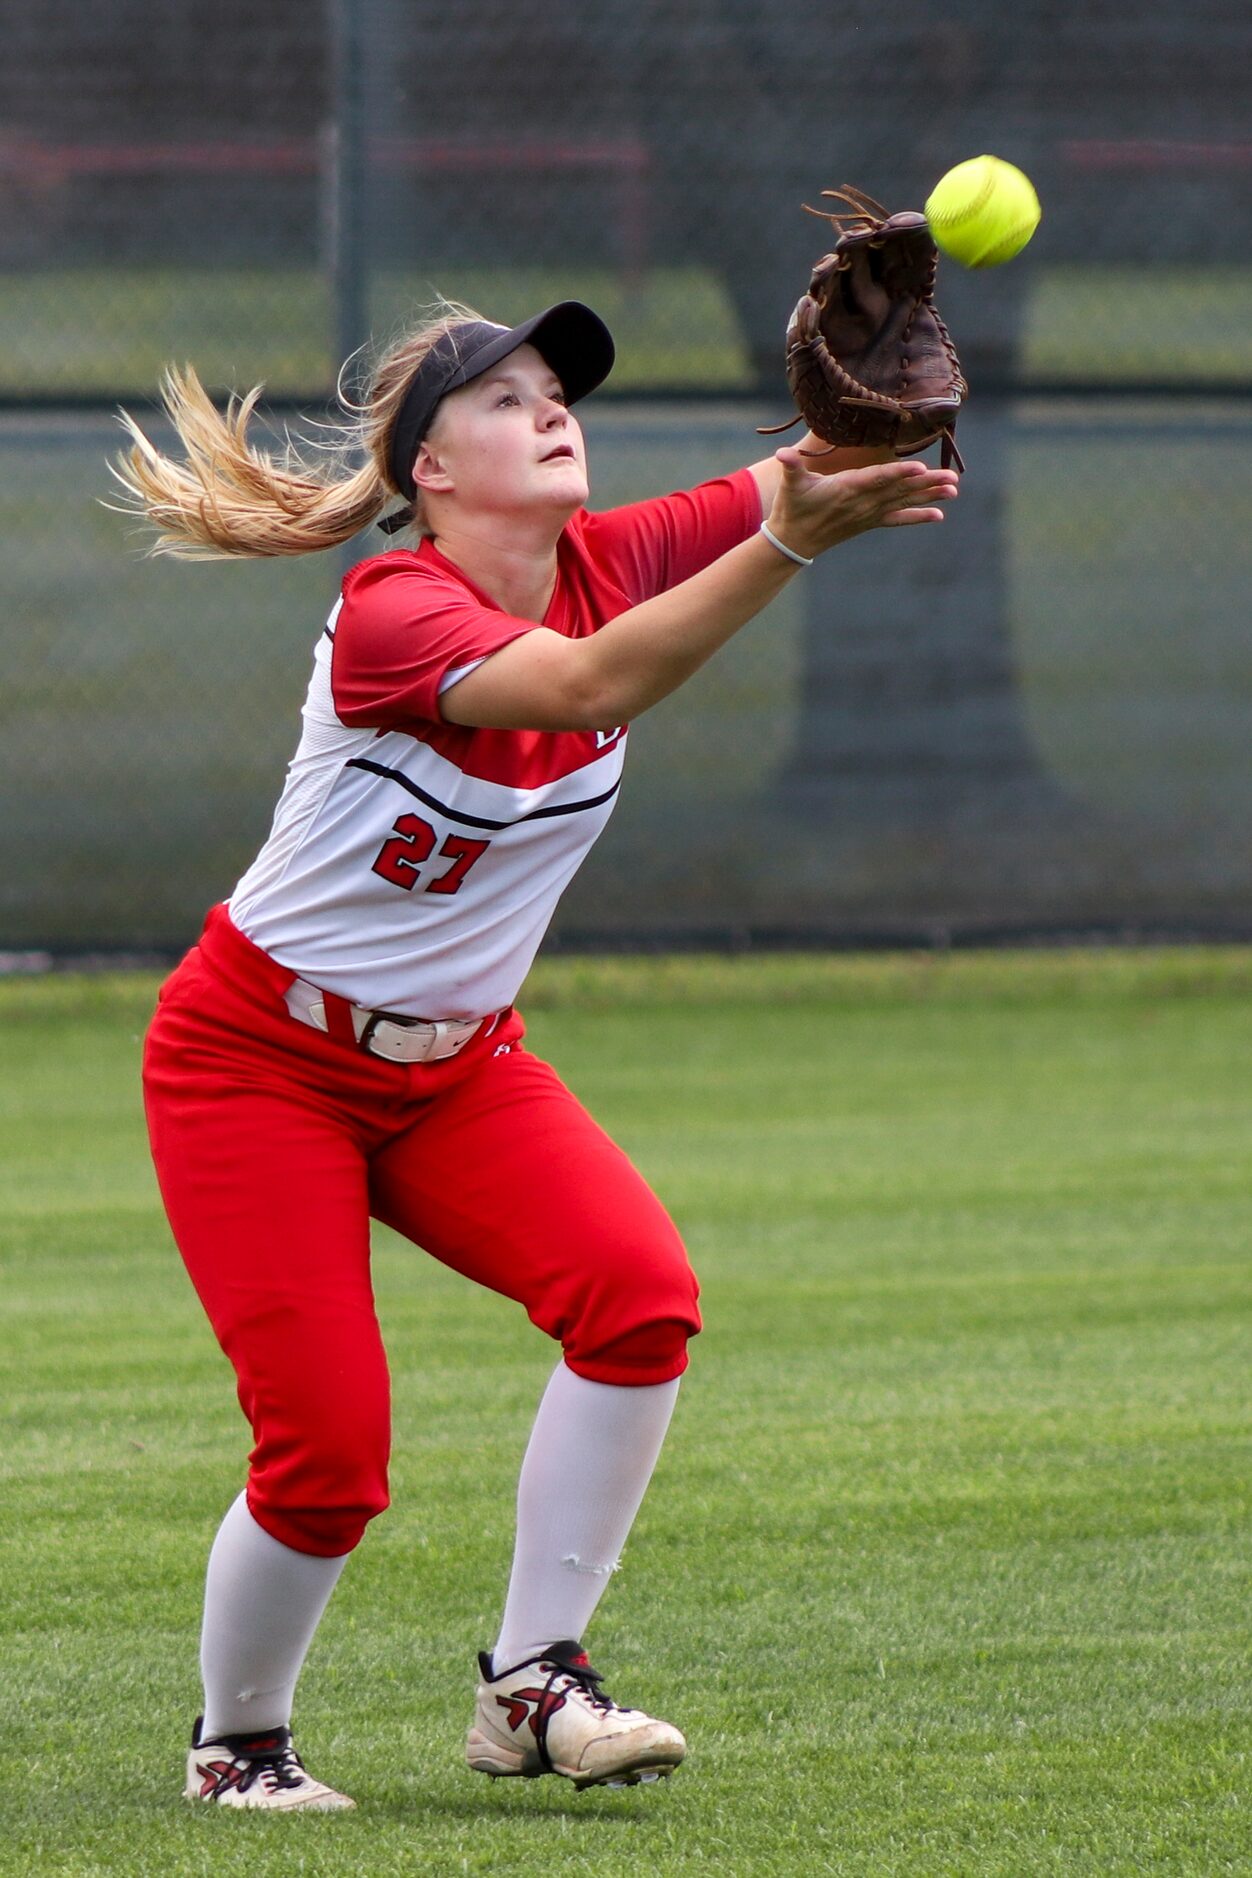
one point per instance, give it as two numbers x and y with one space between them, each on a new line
369 1040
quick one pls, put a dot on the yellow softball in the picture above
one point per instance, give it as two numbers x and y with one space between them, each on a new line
983 212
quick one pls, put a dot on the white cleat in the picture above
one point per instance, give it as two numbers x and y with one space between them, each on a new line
261 1770
550 1716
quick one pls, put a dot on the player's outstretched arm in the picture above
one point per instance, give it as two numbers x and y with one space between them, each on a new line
544 681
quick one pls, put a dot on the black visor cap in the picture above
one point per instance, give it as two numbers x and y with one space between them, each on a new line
569 337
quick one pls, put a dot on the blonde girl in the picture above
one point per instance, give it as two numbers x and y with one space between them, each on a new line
343 1042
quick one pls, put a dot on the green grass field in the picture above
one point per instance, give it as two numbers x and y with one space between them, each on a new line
945 1569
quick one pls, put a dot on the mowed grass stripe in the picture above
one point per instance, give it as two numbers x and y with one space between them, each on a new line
945 1568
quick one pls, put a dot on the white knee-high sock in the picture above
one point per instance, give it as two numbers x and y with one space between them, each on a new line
590 1457
262 1602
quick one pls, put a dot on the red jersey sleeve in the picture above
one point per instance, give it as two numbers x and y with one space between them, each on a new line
648 547
405 623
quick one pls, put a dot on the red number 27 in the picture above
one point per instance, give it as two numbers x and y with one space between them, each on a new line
411 842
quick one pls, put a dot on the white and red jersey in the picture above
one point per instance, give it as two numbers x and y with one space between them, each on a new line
414 864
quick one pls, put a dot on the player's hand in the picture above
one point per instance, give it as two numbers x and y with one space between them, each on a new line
812 512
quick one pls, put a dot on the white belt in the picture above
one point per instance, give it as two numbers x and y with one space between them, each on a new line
399 1039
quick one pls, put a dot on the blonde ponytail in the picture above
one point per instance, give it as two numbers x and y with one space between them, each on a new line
228 498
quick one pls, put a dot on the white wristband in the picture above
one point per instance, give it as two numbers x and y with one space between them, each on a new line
801 560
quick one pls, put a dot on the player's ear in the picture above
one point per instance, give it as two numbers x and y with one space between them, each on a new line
430 472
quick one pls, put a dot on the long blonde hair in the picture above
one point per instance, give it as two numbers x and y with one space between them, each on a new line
229 498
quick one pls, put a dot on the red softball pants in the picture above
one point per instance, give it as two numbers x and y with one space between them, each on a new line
274 1144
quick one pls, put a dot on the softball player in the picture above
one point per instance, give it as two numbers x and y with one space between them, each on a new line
342 1043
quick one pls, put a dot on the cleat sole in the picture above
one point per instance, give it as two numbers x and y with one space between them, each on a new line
635 1777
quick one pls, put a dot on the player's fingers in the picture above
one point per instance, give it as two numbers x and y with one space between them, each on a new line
930 492
938 479
923 496
879 478
938 487
909 480
904 518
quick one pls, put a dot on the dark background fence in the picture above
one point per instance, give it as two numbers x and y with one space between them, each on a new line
1034 719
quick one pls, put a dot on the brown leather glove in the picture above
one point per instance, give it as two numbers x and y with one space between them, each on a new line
869 361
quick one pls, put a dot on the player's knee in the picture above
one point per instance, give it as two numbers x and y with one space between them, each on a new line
317 1480
319 1500
639 1316
652 1353
327 1531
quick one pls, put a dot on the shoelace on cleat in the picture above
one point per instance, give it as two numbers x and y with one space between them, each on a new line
587 1680
277 1769
590 1681
281 1769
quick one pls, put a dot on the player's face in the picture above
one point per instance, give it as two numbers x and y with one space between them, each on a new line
505 443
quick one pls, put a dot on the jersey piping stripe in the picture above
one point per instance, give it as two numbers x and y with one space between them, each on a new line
480 821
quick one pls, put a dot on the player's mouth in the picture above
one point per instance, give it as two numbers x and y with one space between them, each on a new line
563 452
